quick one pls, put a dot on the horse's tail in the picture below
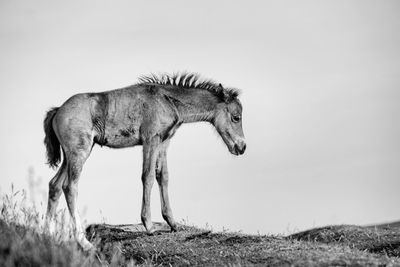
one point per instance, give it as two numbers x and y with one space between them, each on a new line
51 141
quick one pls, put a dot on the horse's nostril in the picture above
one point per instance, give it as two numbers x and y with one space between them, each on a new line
240 148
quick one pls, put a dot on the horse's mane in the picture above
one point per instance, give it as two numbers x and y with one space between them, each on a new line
190 81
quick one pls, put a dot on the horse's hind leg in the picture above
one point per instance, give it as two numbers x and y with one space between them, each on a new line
162 180
55 191
75 159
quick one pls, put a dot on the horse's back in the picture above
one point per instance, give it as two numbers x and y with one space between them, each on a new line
111 118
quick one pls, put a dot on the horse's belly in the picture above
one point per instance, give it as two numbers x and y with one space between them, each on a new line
122 138
122 142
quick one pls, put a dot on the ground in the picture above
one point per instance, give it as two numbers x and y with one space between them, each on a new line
335 245
26 241
344 245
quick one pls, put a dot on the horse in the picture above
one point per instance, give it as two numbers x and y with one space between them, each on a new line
147 113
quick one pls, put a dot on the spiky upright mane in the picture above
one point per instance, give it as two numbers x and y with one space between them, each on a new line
192 81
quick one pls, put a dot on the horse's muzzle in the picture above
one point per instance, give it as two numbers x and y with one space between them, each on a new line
240 148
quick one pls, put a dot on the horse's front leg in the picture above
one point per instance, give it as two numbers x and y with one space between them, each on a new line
162 180
150 154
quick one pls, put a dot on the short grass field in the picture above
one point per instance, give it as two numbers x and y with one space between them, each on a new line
24 242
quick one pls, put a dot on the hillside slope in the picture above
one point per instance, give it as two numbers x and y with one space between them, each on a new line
383 240
129 245
193 246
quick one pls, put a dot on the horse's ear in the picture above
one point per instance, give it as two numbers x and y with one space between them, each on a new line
224 94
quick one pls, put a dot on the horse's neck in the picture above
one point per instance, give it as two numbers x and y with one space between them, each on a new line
197 116
195 105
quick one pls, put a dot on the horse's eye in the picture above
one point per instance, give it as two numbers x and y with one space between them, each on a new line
236 118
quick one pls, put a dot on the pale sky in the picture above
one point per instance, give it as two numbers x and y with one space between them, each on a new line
320 84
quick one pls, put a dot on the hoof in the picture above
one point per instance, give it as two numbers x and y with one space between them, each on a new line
50 227
87 246
151 231
174 228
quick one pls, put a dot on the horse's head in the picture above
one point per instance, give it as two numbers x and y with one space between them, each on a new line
228 122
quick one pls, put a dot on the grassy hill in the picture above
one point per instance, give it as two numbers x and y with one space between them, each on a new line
193 246
383 240
24 242
129 245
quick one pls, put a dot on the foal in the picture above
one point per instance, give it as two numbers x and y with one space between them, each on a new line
148 114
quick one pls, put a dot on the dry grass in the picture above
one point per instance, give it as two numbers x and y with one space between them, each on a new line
383 240
193 246
24 242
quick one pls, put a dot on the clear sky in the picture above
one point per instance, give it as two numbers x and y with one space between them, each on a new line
320 91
